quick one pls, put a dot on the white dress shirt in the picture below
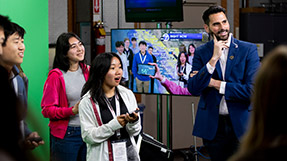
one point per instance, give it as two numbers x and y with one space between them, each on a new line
124 65
223 110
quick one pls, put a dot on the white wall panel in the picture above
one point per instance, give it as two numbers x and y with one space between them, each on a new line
58 19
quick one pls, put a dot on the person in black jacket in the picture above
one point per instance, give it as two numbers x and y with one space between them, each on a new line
150 50
130 56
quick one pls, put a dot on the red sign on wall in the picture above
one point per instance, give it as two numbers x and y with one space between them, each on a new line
96 6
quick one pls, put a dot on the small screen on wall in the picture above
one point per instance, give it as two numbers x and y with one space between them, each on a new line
153 10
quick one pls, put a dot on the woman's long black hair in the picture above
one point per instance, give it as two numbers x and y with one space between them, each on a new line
188 52
61 60
178 59
99 68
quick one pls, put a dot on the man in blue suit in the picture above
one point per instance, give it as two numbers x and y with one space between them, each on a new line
225 70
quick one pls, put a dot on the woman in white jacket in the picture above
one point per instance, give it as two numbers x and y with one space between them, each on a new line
106 126
183 69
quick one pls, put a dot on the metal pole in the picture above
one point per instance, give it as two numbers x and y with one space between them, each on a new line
159 118
169 121
159 108
169 110
168 25
118 13
102 10
158 25
194 137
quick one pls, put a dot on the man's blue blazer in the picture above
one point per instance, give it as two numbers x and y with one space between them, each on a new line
241 67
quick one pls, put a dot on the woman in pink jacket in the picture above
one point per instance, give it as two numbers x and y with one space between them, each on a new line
61 97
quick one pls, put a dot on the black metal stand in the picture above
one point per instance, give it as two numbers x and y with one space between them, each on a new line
194 137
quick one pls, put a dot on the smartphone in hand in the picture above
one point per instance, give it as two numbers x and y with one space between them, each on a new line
146 69
36 139
132 113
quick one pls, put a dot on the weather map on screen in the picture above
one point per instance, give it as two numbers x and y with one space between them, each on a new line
165 43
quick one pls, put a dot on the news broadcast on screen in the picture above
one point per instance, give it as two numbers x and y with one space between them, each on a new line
165 44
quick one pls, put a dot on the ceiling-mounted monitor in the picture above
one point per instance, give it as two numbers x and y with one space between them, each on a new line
153 10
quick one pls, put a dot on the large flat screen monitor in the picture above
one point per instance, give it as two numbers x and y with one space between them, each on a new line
165 43
153 10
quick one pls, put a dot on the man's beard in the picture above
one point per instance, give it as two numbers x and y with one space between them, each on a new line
216 35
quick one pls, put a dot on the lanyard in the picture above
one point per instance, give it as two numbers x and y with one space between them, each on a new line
115 114
100 124
182 68
142 60
127 52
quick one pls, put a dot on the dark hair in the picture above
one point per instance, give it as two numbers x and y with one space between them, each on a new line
5 23
178 58
192 44
99 68
150 47
211 10
267 122
61 60
133 39
119 43
182 48
15 28
143 43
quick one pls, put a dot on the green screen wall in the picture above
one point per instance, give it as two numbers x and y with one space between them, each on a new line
32 15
